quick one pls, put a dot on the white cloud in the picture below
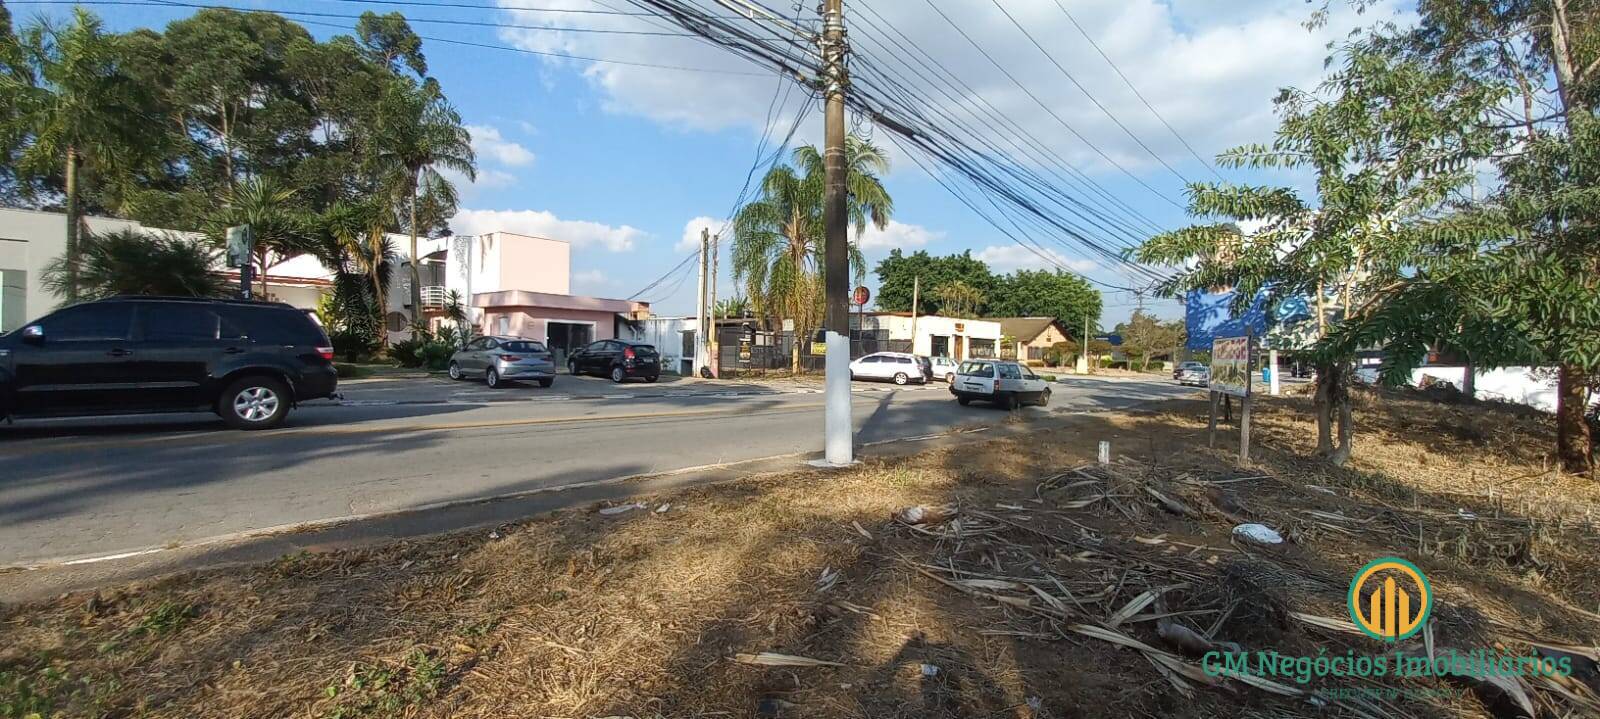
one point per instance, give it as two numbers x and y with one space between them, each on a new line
581 233
592 282
1209 67
1009 258
690 241
488 144
896 235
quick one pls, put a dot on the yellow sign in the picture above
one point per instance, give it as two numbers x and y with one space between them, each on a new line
1390 599
819 348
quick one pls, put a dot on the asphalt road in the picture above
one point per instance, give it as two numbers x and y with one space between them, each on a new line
85 488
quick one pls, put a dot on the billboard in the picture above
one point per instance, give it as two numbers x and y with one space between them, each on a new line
1230 365
1207 316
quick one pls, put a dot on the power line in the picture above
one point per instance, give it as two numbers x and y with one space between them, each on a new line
1086 92
1047 108
435 21
1203 162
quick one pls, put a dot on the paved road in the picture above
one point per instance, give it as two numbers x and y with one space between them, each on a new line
88 488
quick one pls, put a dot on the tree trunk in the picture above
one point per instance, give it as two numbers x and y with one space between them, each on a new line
261 259
1572 429
416 262
1323 409
73 222
1469 380
794 354
1322 314
1347 428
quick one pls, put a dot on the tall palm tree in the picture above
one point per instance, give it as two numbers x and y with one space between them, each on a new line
357 233
70 104
417 134
779 238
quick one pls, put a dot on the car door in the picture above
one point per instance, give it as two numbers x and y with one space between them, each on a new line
179 347
82 363
1033 386
471 357
872 366
486 354
594 358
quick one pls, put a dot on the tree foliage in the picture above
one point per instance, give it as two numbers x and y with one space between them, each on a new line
1144 337
899 273
131 262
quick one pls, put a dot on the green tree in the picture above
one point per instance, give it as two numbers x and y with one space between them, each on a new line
417 134
1389 141
1144 336
778 238
959 299
899 274
732 307
68 105
355 234
1517 278
280 230
1044 293
130 262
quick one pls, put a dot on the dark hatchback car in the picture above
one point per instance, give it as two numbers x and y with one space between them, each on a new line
617 359
247 361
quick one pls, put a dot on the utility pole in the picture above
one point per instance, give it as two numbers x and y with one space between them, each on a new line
916 296
837 426
700 304
711 338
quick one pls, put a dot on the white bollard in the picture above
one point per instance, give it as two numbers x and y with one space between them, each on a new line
1272 374
1105 452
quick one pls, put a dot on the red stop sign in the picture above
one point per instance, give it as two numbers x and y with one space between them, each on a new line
862 296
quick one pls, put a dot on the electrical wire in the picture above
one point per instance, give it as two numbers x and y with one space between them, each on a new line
1203 161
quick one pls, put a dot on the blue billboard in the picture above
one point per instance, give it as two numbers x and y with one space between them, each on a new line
1207 316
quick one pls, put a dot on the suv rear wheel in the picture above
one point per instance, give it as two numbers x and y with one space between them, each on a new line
617 374
257 402
901 378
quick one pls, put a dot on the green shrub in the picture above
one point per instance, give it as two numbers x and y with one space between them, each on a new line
407 352
1048 377
354 346
351 371
435 355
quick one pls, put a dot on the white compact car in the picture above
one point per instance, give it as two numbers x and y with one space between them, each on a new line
1002 382
897 367
944 368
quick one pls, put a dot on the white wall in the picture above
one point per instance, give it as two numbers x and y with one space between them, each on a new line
666 333
30 240
1523 385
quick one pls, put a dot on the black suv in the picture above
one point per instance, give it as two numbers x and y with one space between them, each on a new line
246 361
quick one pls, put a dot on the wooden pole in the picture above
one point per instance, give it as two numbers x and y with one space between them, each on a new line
1211 426
1244 428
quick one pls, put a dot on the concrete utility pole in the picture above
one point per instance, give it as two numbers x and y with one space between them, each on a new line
700 304
916 296
711 336
837 426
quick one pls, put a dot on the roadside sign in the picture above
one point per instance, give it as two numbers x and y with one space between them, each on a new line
862 295
1230 366
819 348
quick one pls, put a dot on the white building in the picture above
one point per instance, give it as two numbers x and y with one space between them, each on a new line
933 335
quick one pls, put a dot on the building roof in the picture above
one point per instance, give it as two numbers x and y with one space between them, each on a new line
1023 329
522 298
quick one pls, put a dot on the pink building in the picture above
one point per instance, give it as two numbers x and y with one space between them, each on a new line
519 285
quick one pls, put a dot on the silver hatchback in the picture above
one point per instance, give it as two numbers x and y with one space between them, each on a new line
502 359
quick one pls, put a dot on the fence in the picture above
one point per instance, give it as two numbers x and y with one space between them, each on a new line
744 350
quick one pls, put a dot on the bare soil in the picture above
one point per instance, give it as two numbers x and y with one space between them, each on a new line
1038 584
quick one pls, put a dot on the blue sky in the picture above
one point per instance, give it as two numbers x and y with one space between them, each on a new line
624 162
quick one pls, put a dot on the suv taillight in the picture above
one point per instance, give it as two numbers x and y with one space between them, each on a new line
627 353
325 353
509 358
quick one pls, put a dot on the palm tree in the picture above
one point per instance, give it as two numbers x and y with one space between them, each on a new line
130 262
417 133
778 238
280 232
960 299
71 104
357 234
732 307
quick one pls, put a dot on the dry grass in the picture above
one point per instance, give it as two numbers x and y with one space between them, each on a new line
641 613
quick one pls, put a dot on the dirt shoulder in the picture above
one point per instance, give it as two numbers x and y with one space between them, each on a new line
1041 584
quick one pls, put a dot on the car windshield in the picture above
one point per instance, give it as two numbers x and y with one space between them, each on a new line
522 346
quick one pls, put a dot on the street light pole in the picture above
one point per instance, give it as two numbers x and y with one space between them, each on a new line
837 426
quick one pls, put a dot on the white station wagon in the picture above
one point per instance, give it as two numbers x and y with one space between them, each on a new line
1002 382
